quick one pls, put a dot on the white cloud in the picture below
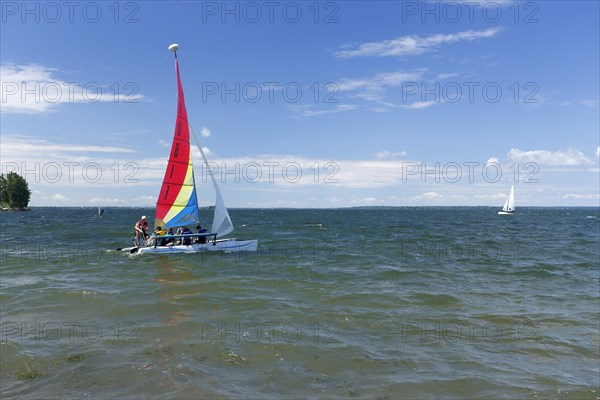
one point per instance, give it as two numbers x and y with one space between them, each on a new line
413 44
446 76
385 79
59 197
570 157
418 105
35 88
380 109
305 112
387 179
205 132
431 195
589 103
598 152
426 198
492 160
375 89
366 201
577 196
580 102
497 196
388 155
17 145
197 156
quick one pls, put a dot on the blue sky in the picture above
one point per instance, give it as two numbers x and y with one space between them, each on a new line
306 104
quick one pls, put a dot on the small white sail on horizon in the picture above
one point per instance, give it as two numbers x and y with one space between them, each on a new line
509 204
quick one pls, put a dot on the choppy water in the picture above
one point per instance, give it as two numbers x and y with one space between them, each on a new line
352 303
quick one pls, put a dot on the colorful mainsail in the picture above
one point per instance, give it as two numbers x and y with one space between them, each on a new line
177 204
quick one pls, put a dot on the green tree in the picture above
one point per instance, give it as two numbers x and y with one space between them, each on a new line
14 191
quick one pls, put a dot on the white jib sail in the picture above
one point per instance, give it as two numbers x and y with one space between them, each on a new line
222 224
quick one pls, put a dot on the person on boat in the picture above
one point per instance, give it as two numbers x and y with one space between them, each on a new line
179 232
169 240
183 230
140 230
186 241
156 237
201 239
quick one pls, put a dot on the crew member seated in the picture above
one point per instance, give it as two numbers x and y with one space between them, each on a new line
201 239
157 237
186 241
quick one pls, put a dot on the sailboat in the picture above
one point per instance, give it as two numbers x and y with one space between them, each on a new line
509 204
177 204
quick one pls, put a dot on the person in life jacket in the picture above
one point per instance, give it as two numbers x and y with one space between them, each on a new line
156 237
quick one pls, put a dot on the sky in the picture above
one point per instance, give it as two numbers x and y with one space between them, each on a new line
305 104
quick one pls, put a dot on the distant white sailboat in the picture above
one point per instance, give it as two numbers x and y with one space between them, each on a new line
509 204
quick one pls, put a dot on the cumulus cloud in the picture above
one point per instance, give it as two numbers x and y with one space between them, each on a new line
205 132
59 197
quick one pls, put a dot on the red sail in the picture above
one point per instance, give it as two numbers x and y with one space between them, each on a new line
177 203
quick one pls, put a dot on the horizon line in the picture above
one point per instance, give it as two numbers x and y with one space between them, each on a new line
325 208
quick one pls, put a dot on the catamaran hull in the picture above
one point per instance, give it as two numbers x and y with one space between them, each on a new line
505 213
219 245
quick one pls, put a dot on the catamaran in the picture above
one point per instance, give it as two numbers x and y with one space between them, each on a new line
177 204
509 204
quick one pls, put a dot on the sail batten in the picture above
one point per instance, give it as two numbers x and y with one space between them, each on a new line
177 204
